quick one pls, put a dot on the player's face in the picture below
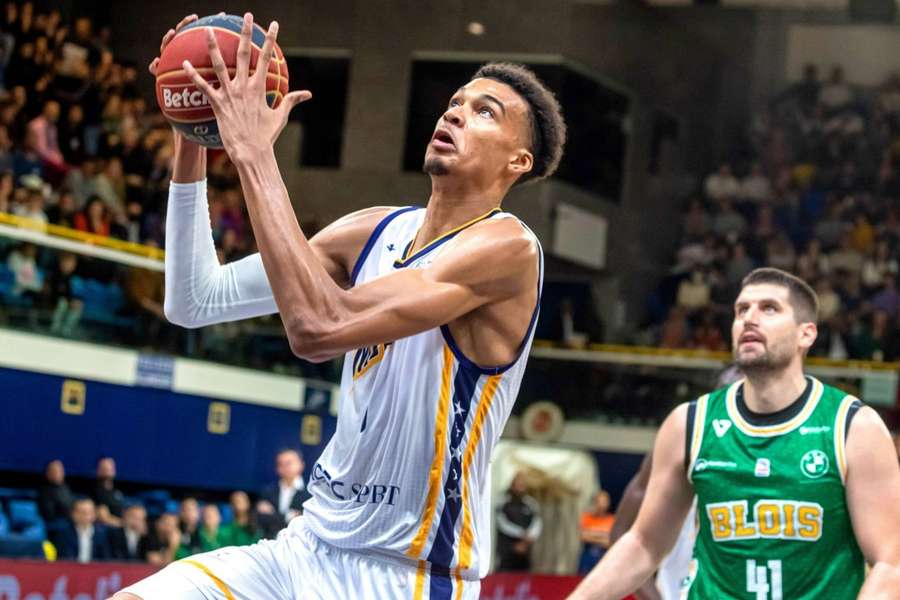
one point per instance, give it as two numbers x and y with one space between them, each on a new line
765 334
484 133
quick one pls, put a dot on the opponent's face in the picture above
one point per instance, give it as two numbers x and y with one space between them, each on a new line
484 133
766 335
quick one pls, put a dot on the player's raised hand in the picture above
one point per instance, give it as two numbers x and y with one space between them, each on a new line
170 34
247 125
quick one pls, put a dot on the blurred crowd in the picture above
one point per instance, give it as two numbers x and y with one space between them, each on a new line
105 524
83 148
815 193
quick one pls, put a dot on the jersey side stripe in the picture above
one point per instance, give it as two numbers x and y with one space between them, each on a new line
466 537
699 426
437 463
840 438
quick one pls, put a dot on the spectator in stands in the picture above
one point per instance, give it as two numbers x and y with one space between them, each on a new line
831 230
727 222
693 292
6 150
145 290
73 135
64 211
518 526
110 501
739 264
722 185
6 191
888 299
33 207
163 542
46 136
812 264
189 525
23 263
708 334
862 234
243 529
756 187
211 536
846 257
286 497
129 542
674 332
780 253
877 265
836 94
95 218
67 308
596 527
84 540
829 301
696 221
54 497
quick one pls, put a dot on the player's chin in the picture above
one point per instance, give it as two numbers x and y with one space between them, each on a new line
436 165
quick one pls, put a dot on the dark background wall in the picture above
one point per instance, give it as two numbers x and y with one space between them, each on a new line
696 63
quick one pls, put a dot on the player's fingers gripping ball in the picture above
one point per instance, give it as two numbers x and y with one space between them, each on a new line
183 104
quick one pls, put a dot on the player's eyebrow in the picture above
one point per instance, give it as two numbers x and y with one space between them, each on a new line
486 97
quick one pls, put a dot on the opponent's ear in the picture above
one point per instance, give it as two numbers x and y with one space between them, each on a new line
521 162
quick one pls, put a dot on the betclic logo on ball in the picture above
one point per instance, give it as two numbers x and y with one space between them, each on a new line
183 97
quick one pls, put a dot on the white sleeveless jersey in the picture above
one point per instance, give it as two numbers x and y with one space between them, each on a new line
675 568
407 474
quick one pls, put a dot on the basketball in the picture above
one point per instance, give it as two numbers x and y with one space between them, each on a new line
183 104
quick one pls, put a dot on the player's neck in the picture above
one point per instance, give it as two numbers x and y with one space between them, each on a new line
773 391
452 203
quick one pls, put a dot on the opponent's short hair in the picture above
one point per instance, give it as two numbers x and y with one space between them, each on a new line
802 297
548 129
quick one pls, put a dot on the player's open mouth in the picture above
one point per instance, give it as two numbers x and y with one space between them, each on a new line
442 140
749 338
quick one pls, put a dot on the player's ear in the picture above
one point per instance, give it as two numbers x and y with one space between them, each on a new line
521 162
808 334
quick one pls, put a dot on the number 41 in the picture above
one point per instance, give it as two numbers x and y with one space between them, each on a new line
759 582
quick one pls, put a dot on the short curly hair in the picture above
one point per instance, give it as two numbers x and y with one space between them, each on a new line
548 129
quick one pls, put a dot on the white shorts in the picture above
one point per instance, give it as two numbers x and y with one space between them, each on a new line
298 566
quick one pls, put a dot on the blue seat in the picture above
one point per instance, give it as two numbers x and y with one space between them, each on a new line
4 524
25 520
227 513
17 493
172 506
19 547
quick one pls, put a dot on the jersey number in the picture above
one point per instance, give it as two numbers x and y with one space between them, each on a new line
764 581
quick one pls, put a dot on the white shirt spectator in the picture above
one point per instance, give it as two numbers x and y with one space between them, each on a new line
829 303
756 187
836 93
131 539
286 494
693 293
85 543
722 185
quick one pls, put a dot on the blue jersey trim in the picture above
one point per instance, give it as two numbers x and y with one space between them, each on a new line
464 360
405 260
440 587
370 243
464 385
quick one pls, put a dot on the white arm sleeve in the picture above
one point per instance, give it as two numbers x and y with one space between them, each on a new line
199 290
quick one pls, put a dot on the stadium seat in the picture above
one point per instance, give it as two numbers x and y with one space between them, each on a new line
17 493
4 524
227 513
25 520
17 546
172 506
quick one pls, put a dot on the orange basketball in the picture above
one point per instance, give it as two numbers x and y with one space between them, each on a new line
183 104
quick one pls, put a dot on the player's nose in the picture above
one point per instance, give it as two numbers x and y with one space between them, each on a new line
454 115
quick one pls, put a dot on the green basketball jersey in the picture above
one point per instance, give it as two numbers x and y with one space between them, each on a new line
772 514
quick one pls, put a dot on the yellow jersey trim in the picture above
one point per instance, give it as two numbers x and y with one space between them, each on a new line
219 583
436 471
772 430
407 257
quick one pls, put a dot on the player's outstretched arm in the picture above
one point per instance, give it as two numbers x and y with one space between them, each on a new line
627 512
637 554
490 262
873 496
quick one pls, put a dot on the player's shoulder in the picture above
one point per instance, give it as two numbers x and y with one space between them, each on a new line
866 425
369 216
500 240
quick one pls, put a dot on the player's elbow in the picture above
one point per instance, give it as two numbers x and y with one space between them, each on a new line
178 314
308 339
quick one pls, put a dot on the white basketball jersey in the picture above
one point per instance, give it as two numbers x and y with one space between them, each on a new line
675 567
407 471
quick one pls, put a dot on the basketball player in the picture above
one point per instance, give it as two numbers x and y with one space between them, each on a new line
434 310
796 482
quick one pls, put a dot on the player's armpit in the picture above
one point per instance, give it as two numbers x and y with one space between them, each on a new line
490 262
873 489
